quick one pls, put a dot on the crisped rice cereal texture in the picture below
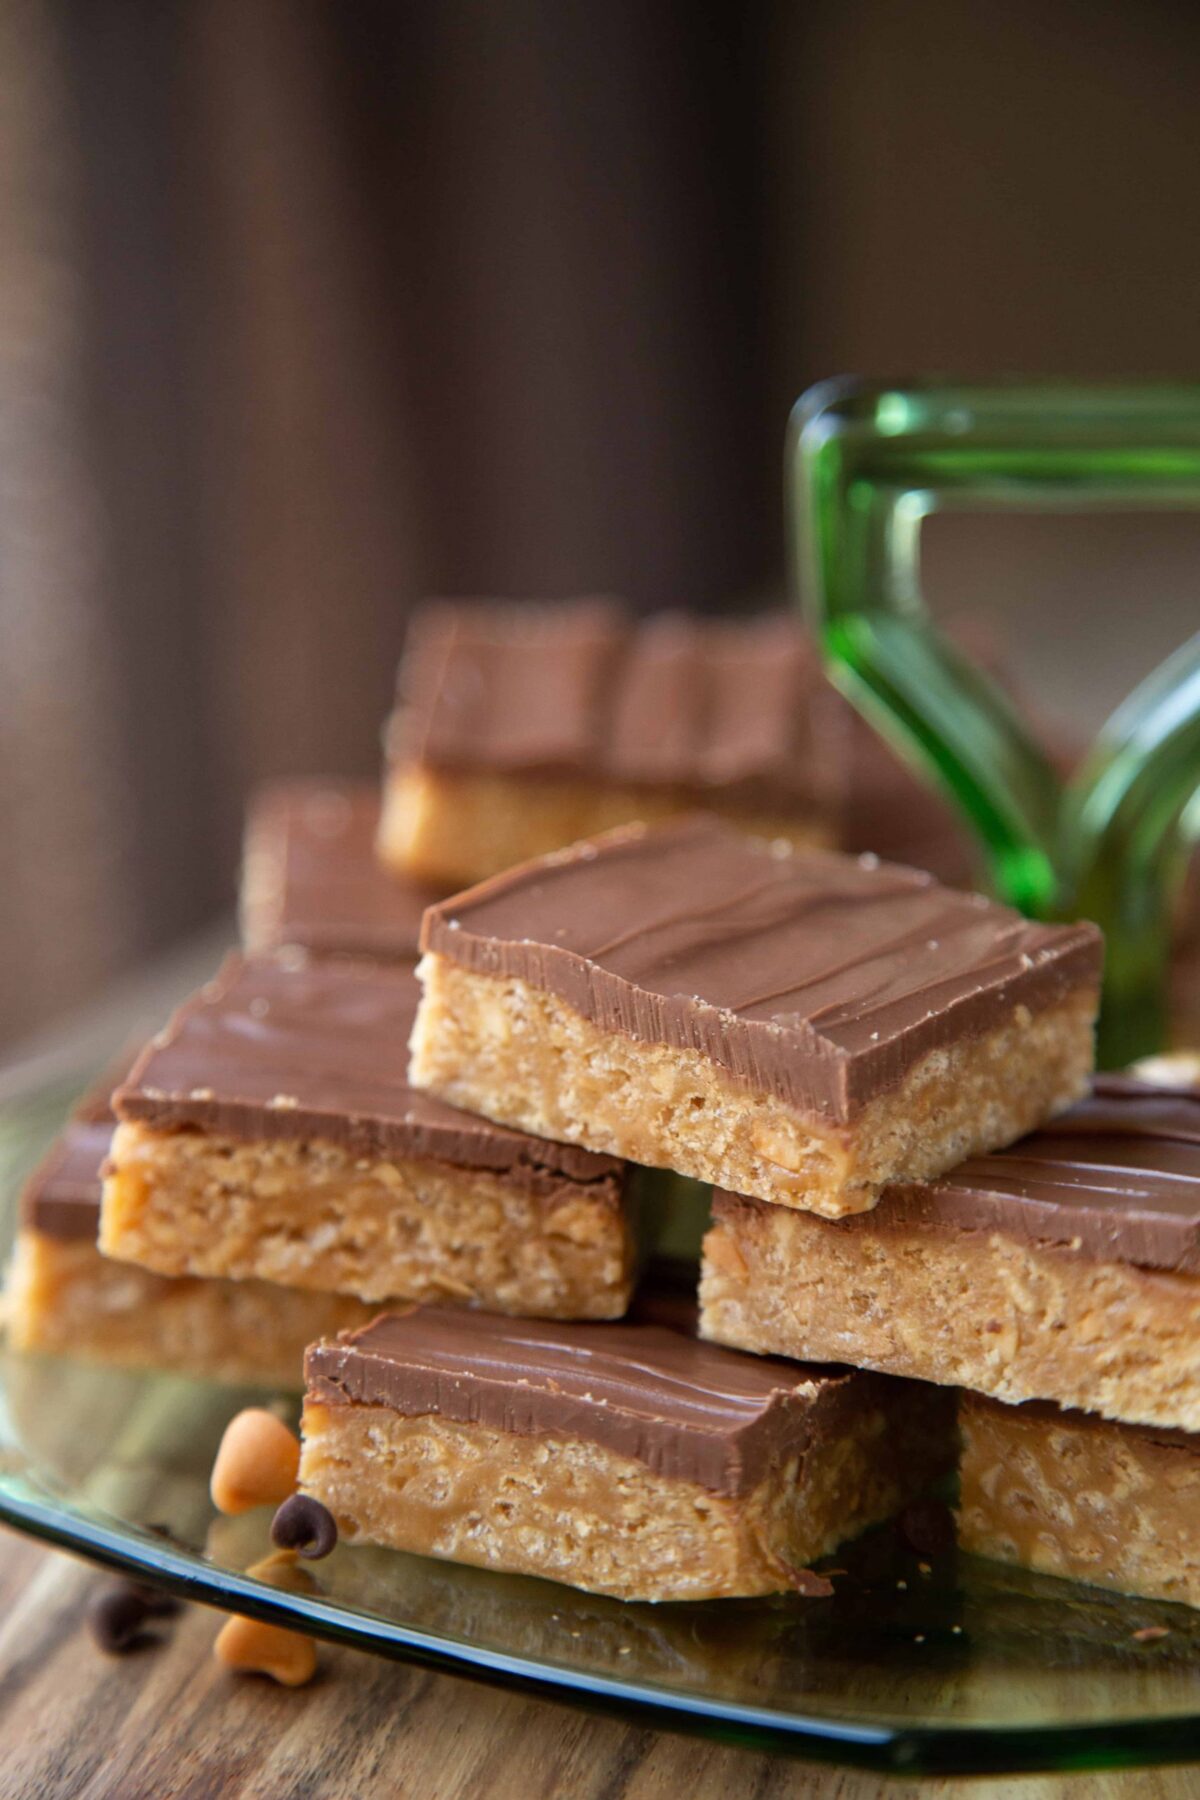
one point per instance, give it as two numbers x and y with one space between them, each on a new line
978 1310
64 1298
1067 1494
577 1512
520 1055
310 1214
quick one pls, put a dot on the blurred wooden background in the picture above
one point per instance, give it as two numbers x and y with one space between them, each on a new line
307 309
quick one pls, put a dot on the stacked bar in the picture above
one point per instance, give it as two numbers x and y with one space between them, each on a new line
216 1257
1064 1270
521 728
801 1027
64 1297
310 878
269 1133
632 1459
887 1082
697 1000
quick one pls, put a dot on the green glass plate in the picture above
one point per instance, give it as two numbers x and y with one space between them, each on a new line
953 1665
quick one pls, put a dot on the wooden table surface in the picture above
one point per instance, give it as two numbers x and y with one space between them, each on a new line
166 1721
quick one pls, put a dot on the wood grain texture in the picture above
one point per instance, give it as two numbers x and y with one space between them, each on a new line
168 1722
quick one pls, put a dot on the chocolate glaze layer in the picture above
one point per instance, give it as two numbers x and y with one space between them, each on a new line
1117 1178
310 875
689 1410
819 978
297 1047
705 708
1046 1412
506 686
61 1198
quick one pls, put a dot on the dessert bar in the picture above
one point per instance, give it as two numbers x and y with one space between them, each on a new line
1069 1494
269 1132
520 728
63 1297
1066 1268
310 876
628 1459
800 1026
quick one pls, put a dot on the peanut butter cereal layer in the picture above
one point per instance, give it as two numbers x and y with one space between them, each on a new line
1069 1494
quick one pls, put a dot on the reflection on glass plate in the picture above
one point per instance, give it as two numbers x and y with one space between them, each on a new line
952 1664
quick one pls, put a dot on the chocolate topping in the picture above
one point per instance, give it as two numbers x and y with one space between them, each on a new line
819 978
708 709
288 1046
507 686
689 1410
1050 1413
310 875
61 1199
1117 1178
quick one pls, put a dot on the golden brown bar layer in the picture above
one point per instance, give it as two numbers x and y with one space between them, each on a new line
1068 1494
1065 1269
310 876
453 827
313 1215
63 1297
520 728
798 1026
630 1460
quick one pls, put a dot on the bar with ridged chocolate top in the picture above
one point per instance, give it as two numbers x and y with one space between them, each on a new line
799 1026
63 1297
270 1132
630 1459
1066 1268
310 876
521 727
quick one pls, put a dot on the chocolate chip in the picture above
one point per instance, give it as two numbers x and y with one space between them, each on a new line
119 1613
304 1525
927 1526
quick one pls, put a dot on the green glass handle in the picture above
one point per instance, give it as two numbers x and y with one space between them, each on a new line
866 465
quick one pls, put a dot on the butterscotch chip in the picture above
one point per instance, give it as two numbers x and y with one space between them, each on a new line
310 876
1066 1268
520 728
1069 1494
270 1133
800 1027
252 1647
625 1459
256 1464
